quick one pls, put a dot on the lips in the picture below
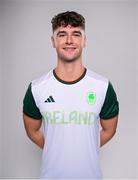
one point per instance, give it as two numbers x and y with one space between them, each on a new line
69 48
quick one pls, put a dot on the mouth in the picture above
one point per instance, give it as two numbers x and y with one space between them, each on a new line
69 48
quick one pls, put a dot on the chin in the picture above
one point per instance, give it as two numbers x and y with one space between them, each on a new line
70 60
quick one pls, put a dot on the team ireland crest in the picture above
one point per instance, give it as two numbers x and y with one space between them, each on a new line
91 97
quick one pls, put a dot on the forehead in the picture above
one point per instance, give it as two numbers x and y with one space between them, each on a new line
68 29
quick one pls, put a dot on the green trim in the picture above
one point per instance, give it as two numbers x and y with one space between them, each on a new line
29 105
111 106
69 82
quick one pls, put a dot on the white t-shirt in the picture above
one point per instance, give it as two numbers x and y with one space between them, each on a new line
71 112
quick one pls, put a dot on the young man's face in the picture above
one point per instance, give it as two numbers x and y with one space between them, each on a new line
69 42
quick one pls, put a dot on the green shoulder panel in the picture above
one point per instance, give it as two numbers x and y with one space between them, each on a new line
29 105
110 107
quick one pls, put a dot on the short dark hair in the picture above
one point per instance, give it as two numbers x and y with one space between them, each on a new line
68 18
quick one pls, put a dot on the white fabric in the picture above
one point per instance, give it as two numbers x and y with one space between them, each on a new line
71 149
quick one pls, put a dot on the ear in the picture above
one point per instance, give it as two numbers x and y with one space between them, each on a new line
53 41
84 41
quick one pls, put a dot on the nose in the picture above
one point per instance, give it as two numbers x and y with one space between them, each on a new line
69 39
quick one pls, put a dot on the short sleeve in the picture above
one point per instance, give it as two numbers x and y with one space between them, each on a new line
29 105
110 107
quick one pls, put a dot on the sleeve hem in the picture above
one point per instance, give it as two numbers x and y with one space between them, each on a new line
32 116
110 116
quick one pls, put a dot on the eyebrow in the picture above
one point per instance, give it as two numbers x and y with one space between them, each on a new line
61 32
78 32
64 32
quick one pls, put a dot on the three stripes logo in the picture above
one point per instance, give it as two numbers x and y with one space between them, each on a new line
49 99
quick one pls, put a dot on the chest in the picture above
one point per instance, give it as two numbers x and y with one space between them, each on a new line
71 103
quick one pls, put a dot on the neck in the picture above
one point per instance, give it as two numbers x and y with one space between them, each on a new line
69 71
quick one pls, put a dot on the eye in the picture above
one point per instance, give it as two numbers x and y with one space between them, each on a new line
77 34
61 35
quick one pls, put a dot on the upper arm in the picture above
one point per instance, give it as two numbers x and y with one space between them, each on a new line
31 114
109 125
110 107
30 107
110 110
31 124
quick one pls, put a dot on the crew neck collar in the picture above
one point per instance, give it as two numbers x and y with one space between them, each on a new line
69 82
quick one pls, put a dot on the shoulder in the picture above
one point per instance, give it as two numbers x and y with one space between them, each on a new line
97 77
42 80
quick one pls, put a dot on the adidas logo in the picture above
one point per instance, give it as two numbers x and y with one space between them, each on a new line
49 99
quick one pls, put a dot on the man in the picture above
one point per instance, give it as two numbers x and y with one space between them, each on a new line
73 102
